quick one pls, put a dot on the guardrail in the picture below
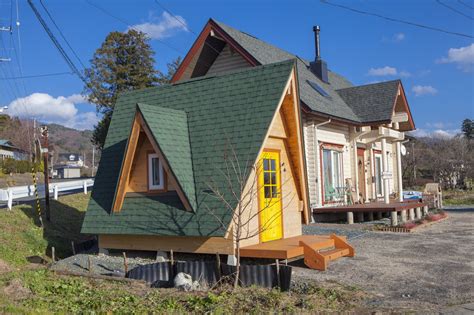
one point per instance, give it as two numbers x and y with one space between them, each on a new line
18 192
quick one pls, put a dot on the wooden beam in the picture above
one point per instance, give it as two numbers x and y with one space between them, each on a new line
126 166
399 117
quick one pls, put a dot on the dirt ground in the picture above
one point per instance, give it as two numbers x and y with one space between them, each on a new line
429 270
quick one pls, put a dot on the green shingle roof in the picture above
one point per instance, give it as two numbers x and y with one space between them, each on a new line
222 112
170 130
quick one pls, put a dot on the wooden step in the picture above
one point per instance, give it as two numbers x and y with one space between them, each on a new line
335 253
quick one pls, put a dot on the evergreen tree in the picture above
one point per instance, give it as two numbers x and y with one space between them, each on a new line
124 62
468 128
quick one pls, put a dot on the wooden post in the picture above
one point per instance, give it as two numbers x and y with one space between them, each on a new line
278 272
73 248
425 210
403 216
53 254
411 214
89 263
418 212
171 257
218 260
394 218
350 218
125 263
386 184
44 133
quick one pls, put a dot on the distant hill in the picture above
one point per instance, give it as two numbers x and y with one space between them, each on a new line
61 139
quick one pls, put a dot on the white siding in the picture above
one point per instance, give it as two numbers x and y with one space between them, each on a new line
227 61
330 133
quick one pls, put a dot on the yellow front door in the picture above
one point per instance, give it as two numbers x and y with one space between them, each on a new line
269 185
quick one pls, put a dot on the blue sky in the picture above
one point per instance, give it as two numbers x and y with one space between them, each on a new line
436 68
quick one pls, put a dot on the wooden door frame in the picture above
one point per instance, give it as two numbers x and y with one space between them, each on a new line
361 153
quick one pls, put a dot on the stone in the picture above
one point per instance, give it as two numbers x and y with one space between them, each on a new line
231 260
185 282
161 256
350 218
394 218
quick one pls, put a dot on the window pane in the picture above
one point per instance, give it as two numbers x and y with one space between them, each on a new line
268 192
327 175
266 164
274 192
266 178
272 165
155 162
273 178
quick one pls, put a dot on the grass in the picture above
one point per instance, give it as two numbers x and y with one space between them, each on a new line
21 236
458 198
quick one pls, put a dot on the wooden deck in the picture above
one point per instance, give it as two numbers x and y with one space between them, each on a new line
372 207
286 248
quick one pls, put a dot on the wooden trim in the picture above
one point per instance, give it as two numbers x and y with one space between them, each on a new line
165 183
407 107
361 152
200 41
183 244
126 166
165 163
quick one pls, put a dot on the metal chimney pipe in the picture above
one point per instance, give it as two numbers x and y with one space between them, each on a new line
316 30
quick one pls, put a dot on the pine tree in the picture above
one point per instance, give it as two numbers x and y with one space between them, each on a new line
124 62
468 128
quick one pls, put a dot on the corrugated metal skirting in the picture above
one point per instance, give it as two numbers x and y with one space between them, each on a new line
207 274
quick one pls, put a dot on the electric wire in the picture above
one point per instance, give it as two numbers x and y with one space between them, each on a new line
432 28
454 10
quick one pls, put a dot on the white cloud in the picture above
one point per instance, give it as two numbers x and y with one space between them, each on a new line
162 27
383 71
61 110
424 90
463 57
436 133
398 37
404 74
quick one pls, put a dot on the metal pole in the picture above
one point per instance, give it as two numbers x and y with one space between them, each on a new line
44 133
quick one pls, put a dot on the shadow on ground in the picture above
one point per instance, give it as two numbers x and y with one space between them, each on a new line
63 228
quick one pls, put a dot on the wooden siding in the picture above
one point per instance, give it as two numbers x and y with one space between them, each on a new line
183 244
227 60
138 181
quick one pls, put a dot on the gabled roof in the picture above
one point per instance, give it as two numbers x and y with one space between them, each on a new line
215 109
372 102
348 108
6 143
170 130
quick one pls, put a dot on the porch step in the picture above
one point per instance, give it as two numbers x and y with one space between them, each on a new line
319 259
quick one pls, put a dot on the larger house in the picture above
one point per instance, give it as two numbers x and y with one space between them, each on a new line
353 134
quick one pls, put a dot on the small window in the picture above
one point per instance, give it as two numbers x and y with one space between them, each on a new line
319 89
155 173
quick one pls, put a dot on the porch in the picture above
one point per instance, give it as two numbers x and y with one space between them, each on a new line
402 212
317 250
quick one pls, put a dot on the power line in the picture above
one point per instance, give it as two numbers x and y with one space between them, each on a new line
396 20
56 43
454 9
466 5
36 76
61 33
128 24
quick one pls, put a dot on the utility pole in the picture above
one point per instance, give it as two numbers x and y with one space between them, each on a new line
93 160
44 134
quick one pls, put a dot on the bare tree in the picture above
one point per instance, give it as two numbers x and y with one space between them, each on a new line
241 198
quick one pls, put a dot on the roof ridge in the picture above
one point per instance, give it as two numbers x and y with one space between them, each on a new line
369 84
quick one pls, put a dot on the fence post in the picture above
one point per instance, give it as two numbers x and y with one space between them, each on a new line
55 192
85 187
10 198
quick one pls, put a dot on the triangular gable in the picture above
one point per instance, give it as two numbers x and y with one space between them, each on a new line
167 131
400 105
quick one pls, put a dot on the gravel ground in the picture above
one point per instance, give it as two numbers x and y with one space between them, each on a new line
428 270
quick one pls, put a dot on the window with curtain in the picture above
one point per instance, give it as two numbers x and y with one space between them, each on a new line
332 175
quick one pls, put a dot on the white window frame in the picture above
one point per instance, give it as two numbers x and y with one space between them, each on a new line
152 156
378 177
339 157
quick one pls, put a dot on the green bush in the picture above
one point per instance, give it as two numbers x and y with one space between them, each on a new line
14 166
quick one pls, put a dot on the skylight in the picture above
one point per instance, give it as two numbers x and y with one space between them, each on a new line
318 88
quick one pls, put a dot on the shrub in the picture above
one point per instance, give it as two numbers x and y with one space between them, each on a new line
15 166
